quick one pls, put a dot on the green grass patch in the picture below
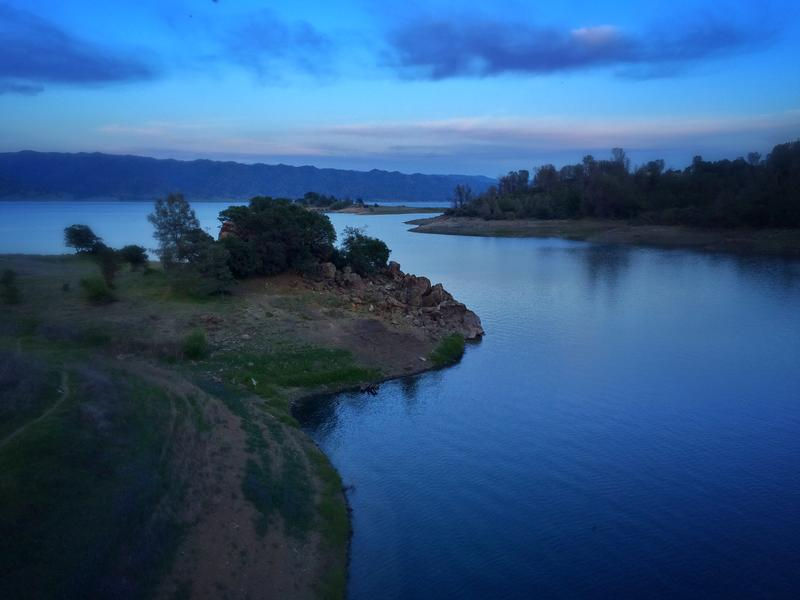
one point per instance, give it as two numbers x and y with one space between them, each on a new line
96 291
304 367
449 351
195 345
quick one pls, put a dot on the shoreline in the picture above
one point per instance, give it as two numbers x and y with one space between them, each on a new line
384 210
233 441
768 242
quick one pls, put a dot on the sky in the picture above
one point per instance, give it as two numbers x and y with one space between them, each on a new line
430 87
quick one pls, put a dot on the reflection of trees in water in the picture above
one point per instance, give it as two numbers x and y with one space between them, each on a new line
781 272
605 265
409 387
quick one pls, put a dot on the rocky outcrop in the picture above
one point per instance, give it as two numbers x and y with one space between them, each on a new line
403 297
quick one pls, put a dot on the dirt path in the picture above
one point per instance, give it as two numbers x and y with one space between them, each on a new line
20 430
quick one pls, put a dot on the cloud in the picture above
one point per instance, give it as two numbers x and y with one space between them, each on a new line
265 44
24 89
440 49
37 52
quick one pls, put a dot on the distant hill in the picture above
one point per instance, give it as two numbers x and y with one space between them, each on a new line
81 176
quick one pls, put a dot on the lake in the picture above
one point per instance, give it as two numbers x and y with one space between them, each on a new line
629 426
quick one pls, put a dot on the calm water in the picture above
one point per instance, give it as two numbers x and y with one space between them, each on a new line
630 426
37 227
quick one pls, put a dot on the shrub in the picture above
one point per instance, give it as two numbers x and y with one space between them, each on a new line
449 351
363 253
135 256
96 291
195 345
108 261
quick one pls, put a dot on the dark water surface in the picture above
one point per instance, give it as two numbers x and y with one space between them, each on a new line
629 428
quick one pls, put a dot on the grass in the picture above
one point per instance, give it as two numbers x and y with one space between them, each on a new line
195 345
96 291
301 367
79 492
449 351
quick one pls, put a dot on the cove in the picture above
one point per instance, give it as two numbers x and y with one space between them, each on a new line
629 427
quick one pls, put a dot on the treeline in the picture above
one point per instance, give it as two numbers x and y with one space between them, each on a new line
325 201
267 237
752 192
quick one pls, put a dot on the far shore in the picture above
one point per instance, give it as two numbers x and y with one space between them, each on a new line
776 242
387 210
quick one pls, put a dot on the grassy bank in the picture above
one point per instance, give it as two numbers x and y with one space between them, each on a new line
778 242
147 447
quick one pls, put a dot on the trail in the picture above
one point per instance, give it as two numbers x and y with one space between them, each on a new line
64 394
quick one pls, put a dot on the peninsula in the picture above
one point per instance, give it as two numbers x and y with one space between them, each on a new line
148 421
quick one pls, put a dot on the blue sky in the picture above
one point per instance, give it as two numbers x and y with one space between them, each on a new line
434 87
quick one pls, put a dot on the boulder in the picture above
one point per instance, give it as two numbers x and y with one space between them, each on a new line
327 270
354 280
414 288
436 295
393 270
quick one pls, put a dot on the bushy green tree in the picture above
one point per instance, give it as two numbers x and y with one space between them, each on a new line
81 237
134 255
364 254
276 235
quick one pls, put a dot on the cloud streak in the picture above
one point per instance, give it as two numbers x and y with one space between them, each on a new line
438 49
264 41
36 53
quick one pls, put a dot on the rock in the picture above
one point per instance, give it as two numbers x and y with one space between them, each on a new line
353 279
472 325
393 270
346 271
414 288
327 270
436 295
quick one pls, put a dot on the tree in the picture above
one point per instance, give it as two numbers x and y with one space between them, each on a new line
108 261
134 255
363 253
276 235
82 238
462 195
175 224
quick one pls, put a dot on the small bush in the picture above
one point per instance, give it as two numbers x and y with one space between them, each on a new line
449 351
96 291
195 345
135 256
108 261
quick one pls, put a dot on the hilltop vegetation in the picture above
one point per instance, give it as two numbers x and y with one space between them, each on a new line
76 176
754 192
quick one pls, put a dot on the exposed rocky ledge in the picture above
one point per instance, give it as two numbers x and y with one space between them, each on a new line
397 295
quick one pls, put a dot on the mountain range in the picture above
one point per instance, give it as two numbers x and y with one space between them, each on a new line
51 175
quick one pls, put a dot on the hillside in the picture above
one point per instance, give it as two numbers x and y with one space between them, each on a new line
30 174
